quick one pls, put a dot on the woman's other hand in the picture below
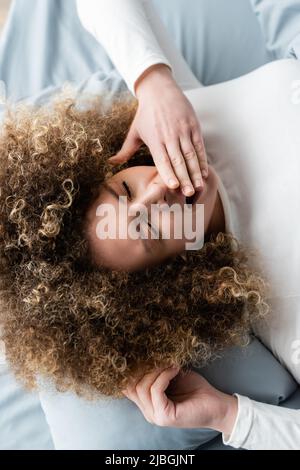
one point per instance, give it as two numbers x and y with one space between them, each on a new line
172 398
167 123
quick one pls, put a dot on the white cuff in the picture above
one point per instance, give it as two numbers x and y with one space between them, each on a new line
139 69
242 425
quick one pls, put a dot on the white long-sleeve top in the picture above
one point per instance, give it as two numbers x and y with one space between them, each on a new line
135 39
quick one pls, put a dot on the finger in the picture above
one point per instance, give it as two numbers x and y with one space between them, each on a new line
130 390
173 386
130 393
130 146
199 146
191 161
180 169
164 167
139 393
159 398
143 391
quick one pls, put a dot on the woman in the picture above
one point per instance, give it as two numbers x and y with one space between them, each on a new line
253 422
38 223
90 323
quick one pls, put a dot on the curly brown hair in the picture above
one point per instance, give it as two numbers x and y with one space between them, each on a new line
88 328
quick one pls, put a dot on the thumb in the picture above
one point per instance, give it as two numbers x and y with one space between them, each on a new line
130 146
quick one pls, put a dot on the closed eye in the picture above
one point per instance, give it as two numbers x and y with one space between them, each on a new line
155 234
125 185
149 241
153 231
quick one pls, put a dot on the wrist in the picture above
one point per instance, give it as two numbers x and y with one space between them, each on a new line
227 415
156 75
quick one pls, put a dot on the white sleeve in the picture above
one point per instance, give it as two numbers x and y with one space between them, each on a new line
264 427
135 38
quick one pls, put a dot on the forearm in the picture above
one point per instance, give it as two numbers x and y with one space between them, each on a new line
123 29
181 71
280 23
264 427
135 39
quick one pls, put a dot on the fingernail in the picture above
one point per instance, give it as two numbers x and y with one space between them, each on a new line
173 183
198 184
204 173
188 190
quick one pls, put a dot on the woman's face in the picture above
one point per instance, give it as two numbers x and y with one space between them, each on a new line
141 186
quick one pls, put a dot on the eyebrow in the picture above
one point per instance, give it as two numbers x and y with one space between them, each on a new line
111 190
